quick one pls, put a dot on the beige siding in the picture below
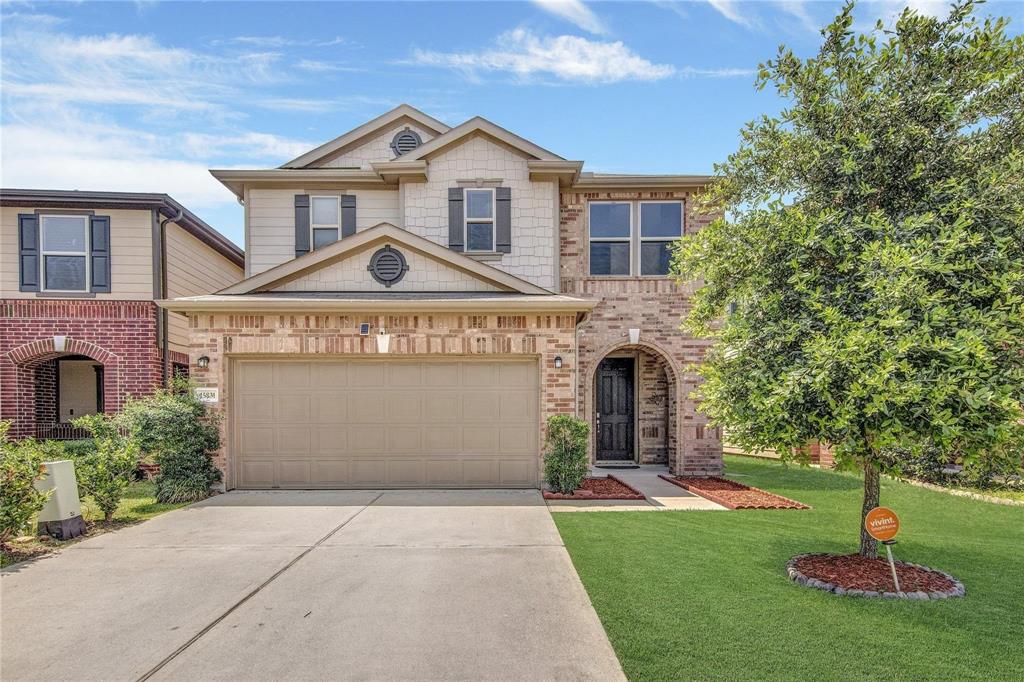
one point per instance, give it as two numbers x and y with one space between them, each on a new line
272 221
375 149
130 251
193 268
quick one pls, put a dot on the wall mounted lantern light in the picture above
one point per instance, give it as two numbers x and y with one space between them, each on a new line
383 341
203 361
558 362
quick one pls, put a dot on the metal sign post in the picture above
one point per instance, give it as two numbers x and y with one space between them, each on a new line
892 564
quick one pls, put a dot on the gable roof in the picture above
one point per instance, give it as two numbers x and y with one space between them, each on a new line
384 232
402 111
478 125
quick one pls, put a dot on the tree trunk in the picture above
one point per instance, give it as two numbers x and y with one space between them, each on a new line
868 545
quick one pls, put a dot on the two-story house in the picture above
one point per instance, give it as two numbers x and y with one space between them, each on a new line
419 299
79 274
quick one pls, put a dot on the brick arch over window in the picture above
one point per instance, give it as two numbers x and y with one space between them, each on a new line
29 358
673 374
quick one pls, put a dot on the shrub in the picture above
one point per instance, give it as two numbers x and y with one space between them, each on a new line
105 472
21 465
565 459
173 428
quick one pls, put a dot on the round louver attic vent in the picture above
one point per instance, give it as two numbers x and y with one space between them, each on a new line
405 141
387 266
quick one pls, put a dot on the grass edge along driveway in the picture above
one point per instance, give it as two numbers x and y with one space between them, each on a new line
691 595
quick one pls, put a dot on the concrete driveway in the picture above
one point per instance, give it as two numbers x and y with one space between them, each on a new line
311 585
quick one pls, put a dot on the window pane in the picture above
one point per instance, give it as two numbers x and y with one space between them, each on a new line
661 220
478 203
655 258
324 237
63 234
479 236
325 211
66 273
609 220
609 258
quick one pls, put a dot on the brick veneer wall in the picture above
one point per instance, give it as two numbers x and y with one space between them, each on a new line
655 306
121 335
223 336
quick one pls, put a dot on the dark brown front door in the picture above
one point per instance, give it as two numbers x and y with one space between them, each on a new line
615 405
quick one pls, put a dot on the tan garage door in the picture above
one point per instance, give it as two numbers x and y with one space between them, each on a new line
392 423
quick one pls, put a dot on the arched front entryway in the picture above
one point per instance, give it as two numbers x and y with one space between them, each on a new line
58 379
632 403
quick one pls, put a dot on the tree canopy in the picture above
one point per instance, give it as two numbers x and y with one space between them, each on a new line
865 282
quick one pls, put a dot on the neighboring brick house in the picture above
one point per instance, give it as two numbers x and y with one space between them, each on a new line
419 299
79 273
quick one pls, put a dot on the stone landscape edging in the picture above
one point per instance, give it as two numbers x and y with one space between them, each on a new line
796 576
732 505
549 495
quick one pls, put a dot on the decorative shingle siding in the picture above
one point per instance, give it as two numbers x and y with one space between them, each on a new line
655 306
121 335
534 215
375 149
224 336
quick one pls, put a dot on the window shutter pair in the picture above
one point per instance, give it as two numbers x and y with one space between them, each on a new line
502 219
30 253
302 229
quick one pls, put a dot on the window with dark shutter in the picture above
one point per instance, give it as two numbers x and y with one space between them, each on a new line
64 250
456 219
99 254
503 220
28 246
302 234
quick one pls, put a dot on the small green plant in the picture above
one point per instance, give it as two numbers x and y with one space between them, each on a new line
105 472
21 465
174 429
565 459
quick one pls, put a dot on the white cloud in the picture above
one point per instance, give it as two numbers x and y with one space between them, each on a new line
576 12
277 42
798 10
731 10
569 58
692 72
318 66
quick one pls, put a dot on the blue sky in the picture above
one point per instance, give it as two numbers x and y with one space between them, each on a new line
147 96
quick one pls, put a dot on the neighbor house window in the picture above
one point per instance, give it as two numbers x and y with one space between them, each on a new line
610 238
325 220
479 219
661 223
65 252
633 238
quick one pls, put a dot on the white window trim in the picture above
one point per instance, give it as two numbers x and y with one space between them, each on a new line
322 226
466 220
643 239
43 253
628 238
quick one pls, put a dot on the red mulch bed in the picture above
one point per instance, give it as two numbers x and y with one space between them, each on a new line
854 572
607 488
733 495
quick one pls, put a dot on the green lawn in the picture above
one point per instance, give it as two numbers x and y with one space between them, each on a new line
139 504
704 595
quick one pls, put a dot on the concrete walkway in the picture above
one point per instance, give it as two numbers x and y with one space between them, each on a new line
661 495
311 585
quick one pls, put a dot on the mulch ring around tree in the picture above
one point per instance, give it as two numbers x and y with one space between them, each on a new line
856 576
604 488
733 495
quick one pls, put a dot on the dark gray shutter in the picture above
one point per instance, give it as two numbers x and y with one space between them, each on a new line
503 219
348 215
99 254
28 245
301 224
456 219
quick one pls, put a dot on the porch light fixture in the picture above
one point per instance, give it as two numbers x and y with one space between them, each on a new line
203 361
383 341
634 336
558 362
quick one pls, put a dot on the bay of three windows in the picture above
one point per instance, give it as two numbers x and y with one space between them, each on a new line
630 238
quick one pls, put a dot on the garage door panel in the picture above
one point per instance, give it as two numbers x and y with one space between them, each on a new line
401 422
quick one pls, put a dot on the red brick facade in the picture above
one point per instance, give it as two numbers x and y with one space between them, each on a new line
655 306
120 335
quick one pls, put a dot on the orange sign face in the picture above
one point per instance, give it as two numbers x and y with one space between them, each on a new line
882 523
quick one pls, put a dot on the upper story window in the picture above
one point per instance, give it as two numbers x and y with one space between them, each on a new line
633 237
65 252
325 220
479 209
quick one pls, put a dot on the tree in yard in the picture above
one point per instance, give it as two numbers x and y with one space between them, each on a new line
866 281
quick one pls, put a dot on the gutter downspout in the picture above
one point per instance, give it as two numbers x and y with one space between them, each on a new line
164 315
